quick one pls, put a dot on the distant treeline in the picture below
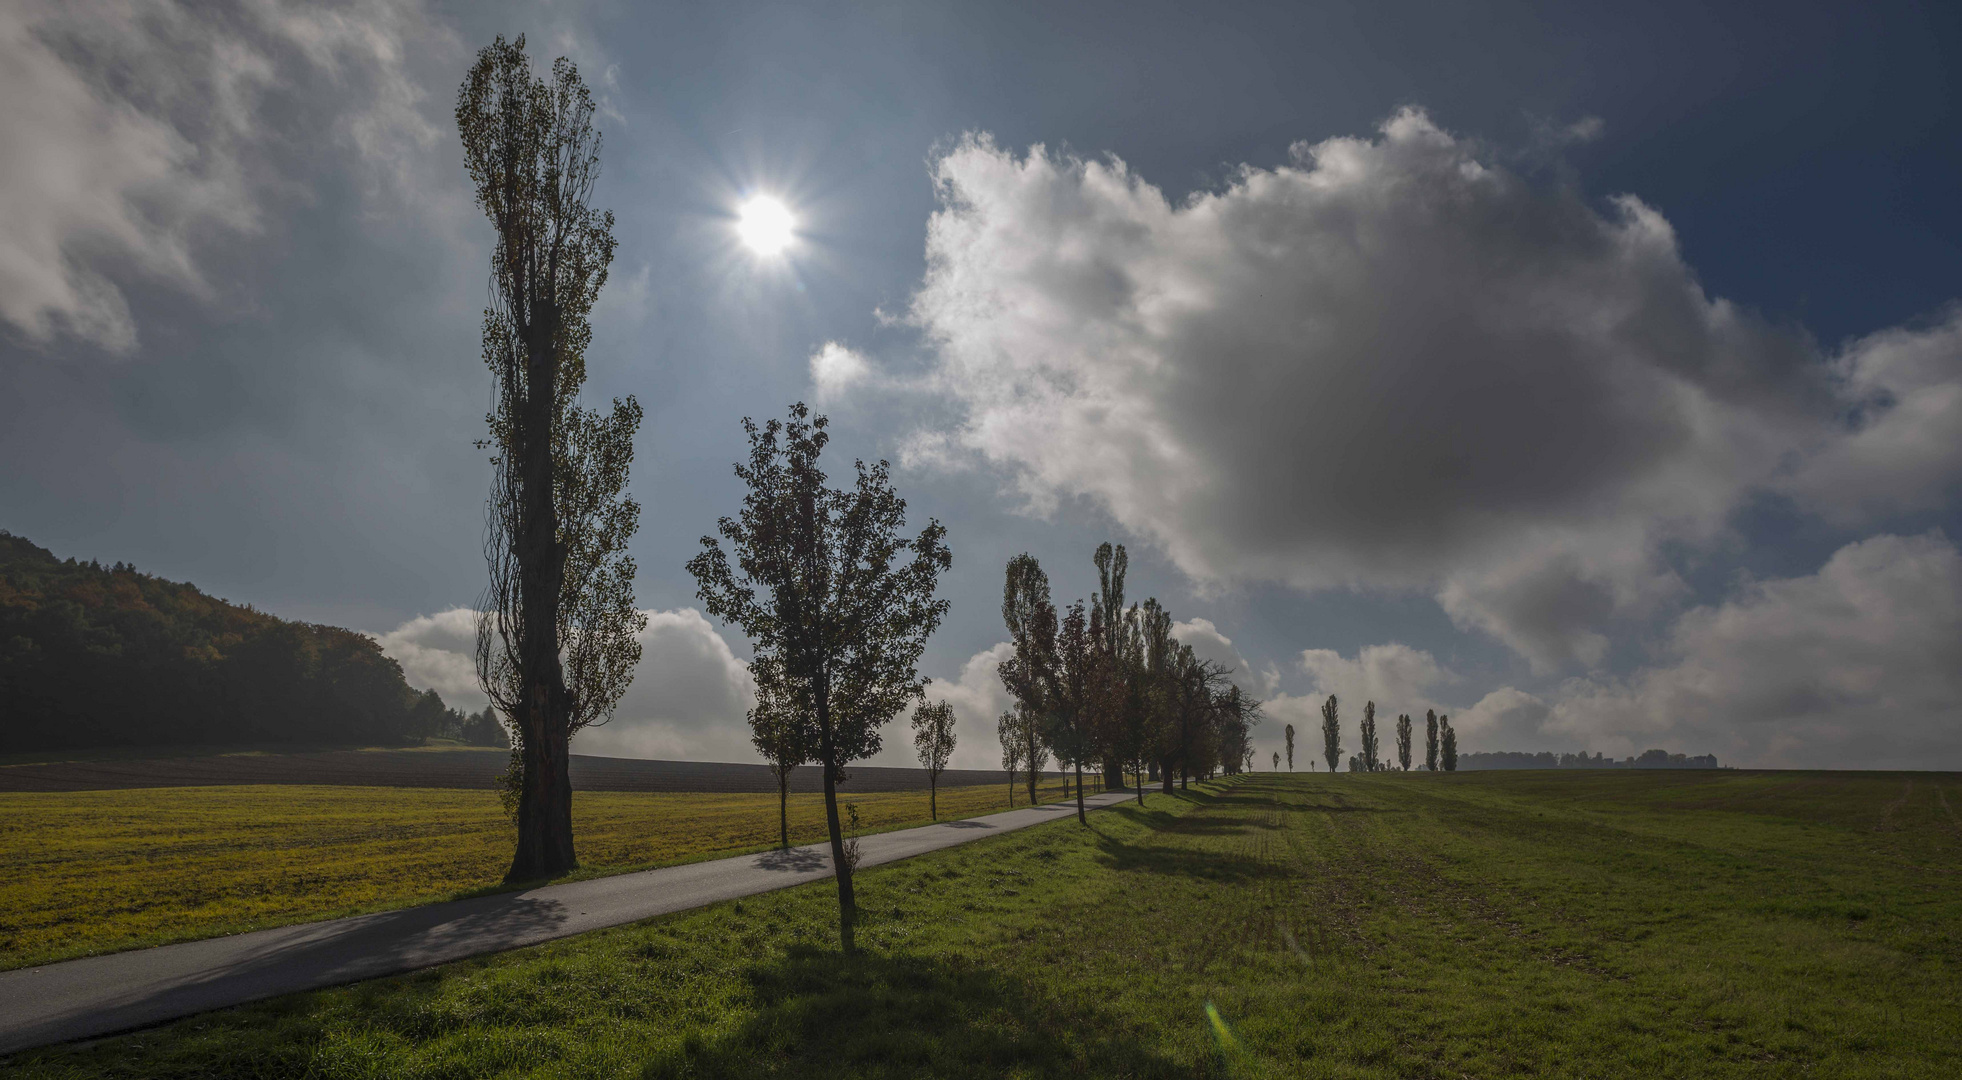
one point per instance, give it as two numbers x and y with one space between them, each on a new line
1545 759
106 656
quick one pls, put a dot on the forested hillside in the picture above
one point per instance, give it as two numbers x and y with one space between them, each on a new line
93 656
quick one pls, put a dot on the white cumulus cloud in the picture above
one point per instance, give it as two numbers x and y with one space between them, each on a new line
1858 665
835 369
689 699
1390 363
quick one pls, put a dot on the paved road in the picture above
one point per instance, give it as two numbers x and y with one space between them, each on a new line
104 994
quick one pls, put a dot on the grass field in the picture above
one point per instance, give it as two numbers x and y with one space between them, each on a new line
95 871
1482 925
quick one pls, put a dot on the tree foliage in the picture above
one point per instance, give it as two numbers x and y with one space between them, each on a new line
559 636
1030 675
107 656
1430 740
1369 740
826 584
1450 740
1403 741
1331 732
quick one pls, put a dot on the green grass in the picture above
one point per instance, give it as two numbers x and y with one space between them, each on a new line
98 871
1482 925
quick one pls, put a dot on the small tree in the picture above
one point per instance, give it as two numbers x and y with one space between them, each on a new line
1430 740
779 732
1277 755
1368 737
1011 749
933 737
1290 735
1450 744
830 589
1403 741
1331 733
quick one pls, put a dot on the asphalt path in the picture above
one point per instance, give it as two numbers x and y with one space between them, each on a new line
101 995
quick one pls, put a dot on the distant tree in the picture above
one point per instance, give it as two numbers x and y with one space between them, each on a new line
484 729
1072 699
1355 763
1331 733
1369 746
1403 741
933 737
558 639
1010 734
826 585
780 731
1132 695
1030 674
1195 686
1430 740
1112 676
1450 744
1235 715
1156 679
1290 735
1277 759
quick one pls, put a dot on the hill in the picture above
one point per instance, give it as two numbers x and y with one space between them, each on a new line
95 656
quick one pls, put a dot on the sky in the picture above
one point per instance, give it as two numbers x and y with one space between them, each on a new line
1589 373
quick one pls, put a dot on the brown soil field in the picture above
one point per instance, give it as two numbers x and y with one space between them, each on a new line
476 769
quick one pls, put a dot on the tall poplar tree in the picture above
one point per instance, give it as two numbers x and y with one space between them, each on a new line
1403 741
1030 674
558 639
1110 631
1430 740
1369 737
826 584
1290 735
1331 733
1072 696
1450 744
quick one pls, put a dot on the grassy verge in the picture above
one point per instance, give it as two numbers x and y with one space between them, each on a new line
97 871
1488 925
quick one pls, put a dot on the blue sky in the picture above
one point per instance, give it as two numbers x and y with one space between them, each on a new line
1588 373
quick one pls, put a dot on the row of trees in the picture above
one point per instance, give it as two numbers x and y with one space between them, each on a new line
1440 741
1105 686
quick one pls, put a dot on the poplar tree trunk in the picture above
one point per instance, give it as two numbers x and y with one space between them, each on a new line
1080 816
545 797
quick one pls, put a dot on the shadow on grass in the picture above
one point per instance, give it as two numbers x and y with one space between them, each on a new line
815 1013
1185 862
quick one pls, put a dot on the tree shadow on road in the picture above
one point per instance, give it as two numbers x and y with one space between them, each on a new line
816 1013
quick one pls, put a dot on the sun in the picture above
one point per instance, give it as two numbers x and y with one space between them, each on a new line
765 225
